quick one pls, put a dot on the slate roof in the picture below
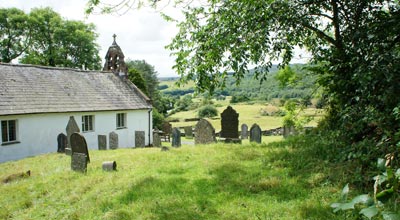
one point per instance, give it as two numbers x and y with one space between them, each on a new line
27 89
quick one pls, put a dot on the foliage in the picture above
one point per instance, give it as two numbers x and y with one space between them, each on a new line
183 103
286 76
136 78
239 98
208 111
384 190
292 115
14 33
151 84
158 119
58 42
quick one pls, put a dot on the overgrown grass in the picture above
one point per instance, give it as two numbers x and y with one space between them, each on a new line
282 180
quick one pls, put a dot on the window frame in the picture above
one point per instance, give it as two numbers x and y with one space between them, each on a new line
8 137
121 121
87 123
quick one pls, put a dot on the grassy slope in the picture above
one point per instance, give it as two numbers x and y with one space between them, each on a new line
204 182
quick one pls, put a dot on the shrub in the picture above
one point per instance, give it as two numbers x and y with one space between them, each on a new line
158 119
207 111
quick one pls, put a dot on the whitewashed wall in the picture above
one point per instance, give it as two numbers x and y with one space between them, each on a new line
37 133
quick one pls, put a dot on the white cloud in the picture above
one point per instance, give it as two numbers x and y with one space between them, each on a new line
141 34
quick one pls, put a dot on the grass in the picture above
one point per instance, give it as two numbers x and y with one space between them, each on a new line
221 181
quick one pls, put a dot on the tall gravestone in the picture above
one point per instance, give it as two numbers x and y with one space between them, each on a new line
71 128
176 137
167 129
79 145
139 139
102 142
80 153
61 143
205 132
255 133
113 140
244 131
188 132
156 139
229 123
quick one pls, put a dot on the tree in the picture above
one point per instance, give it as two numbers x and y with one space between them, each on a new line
58 42
355 47
136 78
14 33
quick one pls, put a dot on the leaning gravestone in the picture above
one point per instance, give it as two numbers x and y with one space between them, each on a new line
113 140
71 128
156 139
79 145
61 143
139 139
188 132
229 123
255 133
79 162
205 132
244 131
102 142
176 138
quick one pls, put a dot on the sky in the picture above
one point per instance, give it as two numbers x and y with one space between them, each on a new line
141 34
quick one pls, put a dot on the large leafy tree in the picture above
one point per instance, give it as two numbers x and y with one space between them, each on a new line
355 48
59 42
14 33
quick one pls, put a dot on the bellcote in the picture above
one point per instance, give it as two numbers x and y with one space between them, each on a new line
114 60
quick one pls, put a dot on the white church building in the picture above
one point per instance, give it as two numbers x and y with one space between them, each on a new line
36 103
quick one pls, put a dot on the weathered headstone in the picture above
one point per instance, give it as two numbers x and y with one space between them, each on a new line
176 137
79 145
139 139
113 140
167 129
61 143
229 123
244 131
188 132
79 162
205 132
71 128
102 142
255 133
289 131
156 139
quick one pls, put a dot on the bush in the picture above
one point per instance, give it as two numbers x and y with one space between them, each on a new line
158 119
208 111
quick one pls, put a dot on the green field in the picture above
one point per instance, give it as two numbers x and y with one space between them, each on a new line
219 181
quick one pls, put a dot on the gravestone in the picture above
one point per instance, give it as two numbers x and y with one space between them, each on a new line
139 139
176 137
113 140
289 131
79 162
244 131
79 145
61 143
156 139
102 142
255 133
229 123
205 132
188 132
167 129
71 128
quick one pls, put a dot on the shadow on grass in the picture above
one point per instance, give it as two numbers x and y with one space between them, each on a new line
289 180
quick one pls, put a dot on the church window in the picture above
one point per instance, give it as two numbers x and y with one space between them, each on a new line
87 123
8 131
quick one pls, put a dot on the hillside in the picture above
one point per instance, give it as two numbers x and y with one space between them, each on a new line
218 181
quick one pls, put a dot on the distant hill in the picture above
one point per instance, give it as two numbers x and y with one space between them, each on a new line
250 87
